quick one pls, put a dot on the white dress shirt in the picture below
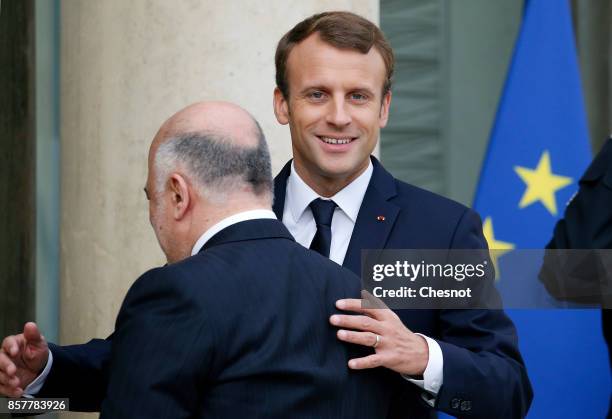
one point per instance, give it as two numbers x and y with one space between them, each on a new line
297 215
298 218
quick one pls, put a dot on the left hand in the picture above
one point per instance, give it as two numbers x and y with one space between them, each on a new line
398 348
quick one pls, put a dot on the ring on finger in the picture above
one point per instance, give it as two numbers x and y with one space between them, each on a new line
377 342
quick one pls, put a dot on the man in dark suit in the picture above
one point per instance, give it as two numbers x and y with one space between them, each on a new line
240 308
333 76
333 79
235 324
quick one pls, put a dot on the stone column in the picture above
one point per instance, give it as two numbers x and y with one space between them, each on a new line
125 67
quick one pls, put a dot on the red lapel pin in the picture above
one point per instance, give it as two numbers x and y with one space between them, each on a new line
380 218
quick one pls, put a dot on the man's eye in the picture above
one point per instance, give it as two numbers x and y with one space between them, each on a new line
316 95
358 96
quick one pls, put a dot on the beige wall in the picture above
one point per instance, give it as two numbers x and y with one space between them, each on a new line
125 67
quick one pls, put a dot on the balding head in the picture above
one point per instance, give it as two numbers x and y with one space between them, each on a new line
221 118
218 143
208 161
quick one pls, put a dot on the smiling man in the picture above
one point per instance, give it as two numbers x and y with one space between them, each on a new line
335 101
333 75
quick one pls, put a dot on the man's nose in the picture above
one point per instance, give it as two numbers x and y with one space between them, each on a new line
339 114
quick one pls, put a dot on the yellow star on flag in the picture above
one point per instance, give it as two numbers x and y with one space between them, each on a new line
541 184
498 248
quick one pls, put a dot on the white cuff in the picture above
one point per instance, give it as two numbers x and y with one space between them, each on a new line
34 387
433 375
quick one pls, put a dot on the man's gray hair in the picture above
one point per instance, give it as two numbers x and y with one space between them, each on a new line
216 164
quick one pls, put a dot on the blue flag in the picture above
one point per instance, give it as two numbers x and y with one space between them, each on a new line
537 152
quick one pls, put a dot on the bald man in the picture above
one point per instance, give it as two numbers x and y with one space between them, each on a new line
236 324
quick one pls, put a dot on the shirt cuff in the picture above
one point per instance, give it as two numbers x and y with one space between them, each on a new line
433 375
34 387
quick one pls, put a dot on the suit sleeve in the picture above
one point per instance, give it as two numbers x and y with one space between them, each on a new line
160 354
483 369
586 224
79 373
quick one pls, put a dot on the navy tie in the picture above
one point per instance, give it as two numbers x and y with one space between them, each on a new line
323 212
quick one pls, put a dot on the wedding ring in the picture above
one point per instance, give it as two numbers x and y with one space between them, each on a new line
377 341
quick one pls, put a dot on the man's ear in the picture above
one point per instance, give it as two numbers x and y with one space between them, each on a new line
181 197
281 107
384 110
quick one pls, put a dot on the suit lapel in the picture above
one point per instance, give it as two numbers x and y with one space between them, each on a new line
280 187
375 219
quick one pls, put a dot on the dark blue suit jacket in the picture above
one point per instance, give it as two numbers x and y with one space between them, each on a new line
484 374
586 224
240 330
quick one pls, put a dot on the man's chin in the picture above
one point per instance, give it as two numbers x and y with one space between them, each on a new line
339 169
340 175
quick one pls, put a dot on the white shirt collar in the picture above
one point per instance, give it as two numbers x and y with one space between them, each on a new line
300 195
226 222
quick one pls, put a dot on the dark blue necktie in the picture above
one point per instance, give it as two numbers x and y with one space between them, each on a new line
323 212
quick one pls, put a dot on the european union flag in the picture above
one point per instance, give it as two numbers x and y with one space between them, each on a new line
538 150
